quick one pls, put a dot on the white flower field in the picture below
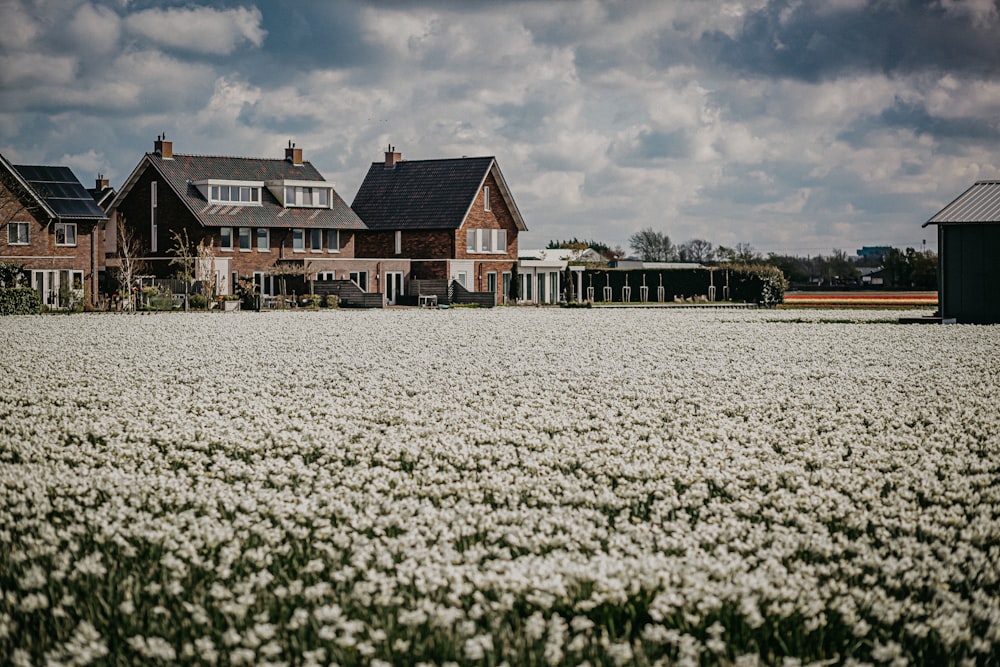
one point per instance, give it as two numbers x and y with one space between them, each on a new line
517 485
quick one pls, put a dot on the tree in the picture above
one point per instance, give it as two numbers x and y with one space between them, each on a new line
696 250
514 291
184 259
652 246
129 263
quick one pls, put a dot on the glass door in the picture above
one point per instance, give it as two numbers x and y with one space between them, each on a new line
393 287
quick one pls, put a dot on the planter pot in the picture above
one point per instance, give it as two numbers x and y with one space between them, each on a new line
230 305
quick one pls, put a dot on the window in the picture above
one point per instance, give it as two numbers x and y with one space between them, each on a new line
333 240
18 233
399 242
66 233
306 195
486 197
299 240
361 278
263 240
486 241
234 194
226 238
491 281
316 240
153 229
245 239
462 278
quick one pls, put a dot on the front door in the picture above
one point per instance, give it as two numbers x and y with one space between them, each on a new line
360 278
393 287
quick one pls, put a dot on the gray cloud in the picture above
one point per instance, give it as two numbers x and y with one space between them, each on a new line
800 124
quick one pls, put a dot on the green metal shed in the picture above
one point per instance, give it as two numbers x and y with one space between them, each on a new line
969 255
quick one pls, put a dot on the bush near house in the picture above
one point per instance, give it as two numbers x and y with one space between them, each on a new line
19 301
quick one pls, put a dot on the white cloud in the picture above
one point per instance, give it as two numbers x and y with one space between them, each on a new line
33 69
20 28
95 29
199 29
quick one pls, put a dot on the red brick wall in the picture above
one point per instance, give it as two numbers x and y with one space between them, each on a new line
498 217
422 244
446 243
42 251
174 216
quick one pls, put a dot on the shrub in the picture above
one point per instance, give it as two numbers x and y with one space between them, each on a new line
19 301
197 301
758 283
331 301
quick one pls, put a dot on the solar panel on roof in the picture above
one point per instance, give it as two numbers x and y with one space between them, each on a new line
61 190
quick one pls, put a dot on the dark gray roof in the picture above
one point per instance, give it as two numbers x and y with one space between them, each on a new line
979 204
102 196
420 194
183 171
61 191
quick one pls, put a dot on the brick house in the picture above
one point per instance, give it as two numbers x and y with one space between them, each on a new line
455 219
275 220
52 226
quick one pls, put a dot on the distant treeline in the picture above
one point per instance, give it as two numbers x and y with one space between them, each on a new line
908 268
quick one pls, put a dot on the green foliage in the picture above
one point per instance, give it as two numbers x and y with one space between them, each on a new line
762 284
19 301
577 244
911 269
198 301
11 274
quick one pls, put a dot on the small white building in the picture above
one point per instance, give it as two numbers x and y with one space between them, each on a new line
541 273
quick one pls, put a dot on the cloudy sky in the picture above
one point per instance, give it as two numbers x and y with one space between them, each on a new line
798 126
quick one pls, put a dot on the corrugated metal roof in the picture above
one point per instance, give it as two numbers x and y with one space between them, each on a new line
979 204
61 190
183 170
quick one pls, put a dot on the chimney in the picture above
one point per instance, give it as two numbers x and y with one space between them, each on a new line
102 183
293 154
392 157
163 148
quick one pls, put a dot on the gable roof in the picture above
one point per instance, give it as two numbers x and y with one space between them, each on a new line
103 196
427 194
182 171
57 191
979 204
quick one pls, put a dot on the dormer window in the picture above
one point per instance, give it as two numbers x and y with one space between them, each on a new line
242 193
302 194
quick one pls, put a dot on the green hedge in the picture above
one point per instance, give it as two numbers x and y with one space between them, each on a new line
19 301
760 284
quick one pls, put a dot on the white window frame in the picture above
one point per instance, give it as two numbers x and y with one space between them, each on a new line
244 233
486 198
298 240
360 278
398 242
231 193
316 240
223 233
11 226
333 240
303 194
154 230
486 241
64 228
263 242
